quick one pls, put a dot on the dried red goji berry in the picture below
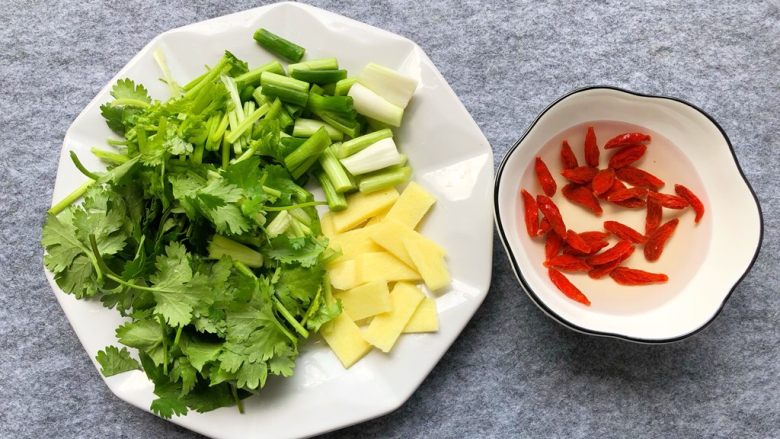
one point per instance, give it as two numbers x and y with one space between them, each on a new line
602 270
632 276
657 240
568 159
603 181
546 180
576 242
544 227
531 213
626 139
654 214
583 196
595 246
591 148
669 201
616 186
567 263
637 177
551 212
626 156
623 231
594 235
566 287
552 245
580 174
610 254
628 193
692 199
631 203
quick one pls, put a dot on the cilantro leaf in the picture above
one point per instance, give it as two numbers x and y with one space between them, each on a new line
113 361
304 251
176 290
200 352
126 89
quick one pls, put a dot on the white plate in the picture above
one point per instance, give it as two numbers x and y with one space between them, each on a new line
704 262
450 157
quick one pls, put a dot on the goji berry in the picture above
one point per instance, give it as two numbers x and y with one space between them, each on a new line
632 276
610 254
626 139
576 242
623 231
544 227
692 199
580 174
583 196
552 245
531 213
567 263
600 271
595 246
546 180
669 201
653 216
591 148
616 186
568 159
657 240
627 155
628 193
603 181
637 177
566 287
594 235
551 212
631 203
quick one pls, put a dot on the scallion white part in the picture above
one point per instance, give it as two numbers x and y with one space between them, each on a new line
370 104
377 156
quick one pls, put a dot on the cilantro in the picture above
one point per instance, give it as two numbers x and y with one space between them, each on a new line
175 236
113 361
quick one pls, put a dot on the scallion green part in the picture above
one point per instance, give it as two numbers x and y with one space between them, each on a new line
299 161
336 200
319 76
278 45
384 179
335 171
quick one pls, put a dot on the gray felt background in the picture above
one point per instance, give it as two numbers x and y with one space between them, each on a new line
513 372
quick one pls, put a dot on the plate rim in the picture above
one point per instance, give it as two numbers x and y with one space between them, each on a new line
513 261
394 400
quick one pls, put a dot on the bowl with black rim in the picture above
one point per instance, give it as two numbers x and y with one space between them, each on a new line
704 260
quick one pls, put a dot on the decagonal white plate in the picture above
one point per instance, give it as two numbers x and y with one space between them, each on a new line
450 157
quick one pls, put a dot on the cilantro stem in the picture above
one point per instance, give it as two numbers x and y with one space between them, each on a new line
225 154
315 304
164 343
108 156
294 206
70 198
121 281
290 319
239 403
80 166
178 335
97 260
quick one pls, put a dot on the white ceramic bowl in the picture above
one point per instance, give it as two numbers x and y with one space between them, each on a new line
704 262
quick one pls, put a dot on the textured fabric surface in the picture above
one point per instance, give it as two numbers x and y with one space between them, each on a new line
513 372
